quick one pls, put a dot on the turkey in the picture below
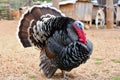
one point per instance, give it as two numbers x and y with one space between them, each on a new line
61 40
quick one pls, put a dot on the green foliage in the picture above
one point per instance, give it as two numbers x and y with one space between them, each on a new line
15 4
115 78
42 0
29 75
3 1
98 59
115 60
95 75
98 63
32 76
25 72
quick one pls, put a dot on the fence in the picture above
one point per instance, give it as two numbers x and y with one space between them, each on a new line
6 5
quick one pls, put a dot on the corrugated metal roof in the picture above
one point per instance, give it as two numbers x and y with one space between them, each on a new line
95 2
67 2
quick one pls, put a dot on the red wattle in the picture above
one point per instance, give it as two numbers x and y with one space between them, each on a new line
81 35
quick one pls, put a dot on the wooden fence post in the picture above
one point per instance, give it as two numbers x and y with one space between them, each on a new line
56 3
109 14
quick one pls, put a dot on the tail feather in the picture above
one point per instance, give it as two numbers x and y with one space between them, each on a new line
26 28
47 65
36 13
23 28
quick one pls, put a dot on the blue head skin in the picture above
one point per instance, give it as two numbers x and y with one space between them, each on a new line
79 24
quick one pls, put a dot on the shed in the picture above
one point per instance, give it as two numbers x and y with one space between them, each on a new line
118 15
80 10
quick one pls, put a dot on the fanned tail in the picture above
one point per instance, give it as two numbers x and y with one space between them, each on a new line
34 16
47 65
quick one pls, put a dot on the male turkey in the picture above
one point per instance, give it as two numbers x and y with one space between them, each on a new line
62 40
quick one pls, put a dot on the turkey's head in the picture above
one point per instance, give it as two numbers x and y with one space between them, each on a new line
79 28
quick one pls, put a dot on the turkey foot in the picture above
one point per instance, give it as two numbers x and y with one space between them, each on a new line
65 77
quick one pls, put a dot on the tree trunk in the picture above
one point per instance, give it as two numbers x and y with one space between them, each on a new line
109 14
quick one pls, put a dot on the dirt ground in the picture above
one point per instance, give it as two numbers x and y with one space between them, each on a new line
18 63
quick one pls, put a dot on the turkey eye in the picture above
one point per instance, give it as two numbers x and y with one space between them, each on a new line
79 24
